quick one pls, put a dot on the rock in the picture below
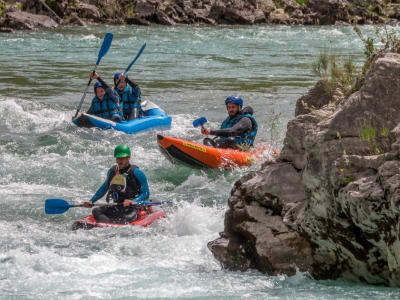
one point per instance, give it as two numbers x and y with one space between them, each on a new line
163 19
88 11
24 20
145 8
278 16
341 209
137 21
231 15
330 11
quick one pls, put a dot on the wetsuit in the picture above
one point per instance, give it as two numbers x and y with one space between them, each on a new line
136 190
106 108
238 130
130 97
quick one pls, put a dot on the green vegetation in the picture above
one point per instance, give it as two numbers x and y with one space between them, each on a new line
336 74
368 134
130 10
343 74
301 2
346 180
388 39
2 10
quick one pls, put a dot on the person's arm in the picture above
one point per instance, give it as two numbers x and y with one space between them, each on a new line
102 190
242 126
135 88
144 187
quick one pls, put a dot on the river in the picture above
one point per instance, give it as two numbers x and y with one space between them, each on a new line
188 71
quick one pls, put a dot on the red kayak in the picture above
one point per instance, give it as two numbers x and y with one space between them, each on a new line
145 218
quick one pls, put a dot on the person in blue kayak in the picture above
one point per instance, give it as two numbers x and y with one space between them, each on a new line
239 129
105 104
129 93
125 184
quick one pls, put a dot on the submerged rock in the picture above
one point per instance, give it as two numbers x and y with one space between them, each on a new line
330 204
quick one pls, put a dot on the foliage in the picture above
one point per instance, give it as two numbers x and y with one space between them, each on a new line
130 10
336 74
2 10
344 74
368 134
346 180
389 40
301 2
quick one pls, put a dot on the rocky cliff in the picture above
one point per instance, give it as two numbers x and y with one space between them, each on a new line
31 14
330 204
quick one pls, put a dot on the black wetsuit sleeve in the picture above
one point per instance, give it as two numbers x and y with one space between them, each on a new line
242 126
109 91
135 88
131 83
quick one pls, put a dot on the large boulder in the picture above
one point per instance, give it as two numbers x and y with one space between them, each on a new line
24 20
342 158
330 11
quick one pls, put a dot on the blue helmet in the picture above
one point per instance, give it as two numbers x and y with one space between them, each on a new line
96 85
235 100
116 75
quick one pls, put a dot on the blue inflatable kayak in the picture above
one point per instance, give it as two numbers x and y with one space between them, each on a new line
154 118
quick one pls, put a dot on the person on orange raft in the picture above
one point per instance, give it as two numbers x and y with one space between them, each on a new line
125 184
239 128
105 104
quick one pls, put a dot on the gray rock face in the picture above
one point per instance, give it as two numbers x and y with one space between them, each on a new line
333 196
24 20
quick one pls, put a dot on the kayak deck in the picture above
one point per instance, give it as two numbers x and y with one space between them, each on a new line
144 219
200 156
154 118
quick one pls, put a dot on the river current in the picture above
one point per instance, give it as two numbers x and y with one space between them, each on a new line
188 71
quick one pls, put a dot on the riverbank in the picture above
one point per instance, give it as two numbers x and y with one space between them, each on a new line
35 14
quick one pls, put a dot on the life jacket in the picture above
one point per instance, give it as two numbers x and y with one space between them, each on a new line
105 108
247 137
123 184
130 99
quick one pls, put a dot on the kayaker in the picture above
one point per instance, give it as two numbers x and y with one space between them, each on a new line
239 129
105 104
130 93
125 184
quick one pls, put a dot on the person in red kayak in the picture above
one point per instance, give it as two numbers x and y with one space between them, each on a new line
125 184
239 129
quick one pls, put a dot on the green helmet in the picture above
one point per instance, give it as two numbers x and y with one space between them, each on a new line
122 151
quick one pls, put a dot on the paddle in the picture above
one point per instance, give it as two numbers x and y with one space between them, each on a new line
200 122
133 61
103 51
59 206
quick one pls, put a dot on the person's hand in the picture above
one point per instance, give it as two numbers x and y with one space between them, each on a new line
205 131
127 202
94 75
87 204
122 78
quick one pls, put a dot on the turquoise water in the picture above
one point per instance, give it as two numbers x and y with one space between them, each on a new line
188 71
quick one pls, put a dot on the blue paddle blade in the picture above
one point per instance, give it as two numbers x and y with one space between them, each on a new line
56 206
199 122
135 59
105 46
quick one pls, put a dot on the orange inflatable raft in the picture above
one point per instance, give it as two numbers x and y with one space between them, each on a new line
201 156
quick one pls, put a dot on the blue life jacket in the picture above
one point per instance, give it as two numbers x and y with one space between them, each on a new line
246 137
131 99
105 108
